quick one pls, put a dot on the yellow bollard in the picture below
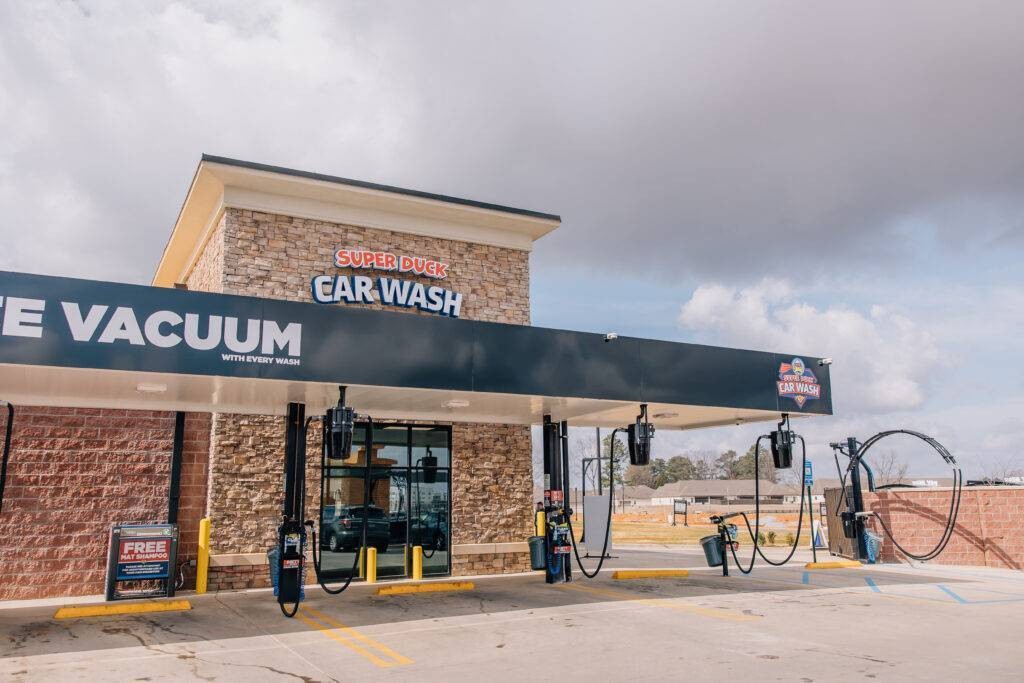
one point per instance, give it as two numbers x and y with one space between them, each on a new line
541 523
203 556
417 563
362 563
371 565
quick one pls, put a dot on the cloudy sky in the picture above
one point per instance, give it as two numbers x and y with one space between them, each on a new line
837 179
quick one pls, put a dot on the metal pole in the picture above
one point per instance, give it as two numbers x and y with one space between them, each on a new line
810 514
858 499
174 486
722 534
564 438
293 475
550 481
600 489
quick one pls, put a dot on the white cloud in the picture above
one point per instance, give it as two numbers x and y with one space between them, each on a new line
883 360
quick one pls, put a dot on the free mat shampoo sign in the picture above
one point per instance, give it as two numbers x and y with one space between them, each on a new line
141 552
143 558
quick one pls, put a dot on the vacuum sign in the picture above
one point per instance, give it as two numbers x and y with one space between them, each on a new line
234 339
386 290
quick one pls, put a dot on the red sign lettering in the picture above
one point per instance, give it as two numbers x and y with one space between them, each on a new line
386 261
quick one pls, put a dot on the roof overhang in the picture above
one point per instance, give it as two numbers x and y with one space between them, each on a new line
221 183
84 343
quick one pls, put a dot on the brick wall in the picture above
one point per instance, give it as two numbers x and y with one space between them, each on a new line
73 472
275 256
987 532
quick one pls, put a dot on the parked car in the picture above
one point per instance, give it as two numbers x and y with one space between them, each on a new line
430 530
344 531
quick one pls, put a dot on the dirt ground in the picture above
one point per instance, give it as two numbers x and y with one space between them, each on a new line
640 529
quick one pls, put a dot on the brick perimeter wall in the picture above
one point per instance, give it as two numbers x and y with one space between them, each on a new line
987 532
75 471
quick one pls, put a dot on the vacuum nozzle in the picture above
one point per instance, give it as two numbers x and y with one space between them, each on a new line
342 421
429 463
640 434
783 440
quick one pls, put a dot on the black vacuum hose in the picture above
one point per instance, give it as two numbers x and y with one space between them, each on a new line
366 510
611 503
954 502
754 534
434 549
7 451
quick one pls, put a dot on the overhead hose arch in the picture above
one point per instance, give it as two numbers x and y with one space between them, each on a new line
608 527
755 533
954 501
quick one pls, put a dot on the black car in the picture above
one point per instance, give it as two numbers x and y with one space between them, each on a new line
430 530
343 531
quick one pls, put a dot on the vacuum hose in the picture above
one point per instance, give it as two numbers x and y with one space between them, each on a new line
7 450
418 511
366 508
954 501
608 527
755 533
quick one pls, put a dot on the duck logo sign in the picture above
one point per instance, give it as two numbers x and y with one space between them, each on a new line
797 381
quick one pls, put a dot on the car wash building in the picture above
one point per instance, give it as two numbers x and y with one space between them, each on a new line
149 404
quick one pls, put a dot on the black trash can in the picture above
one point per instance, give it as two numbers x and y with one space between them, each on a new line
712 550
538 560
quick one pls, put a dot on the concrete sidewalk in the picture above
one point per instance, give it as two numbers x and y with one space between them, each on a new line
904 623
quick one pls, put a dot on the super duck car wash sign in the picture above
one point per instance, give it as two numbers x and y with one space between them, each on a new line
386 289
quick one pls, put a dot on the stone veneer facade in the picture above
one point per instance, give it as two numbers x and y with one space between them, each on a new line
275 256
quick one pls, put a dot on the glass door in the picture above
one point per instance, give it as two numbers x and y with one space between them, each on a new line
409 501
430 455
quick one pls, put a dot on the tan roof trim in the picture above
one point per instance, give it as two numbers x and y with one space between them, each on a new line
220 184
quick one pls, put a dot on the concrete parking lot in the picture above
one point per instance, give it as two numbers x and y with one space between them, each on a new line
886 623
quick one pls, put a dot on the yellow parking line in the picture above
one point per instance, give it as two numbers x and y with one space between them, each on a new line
344 641
400 660
665 603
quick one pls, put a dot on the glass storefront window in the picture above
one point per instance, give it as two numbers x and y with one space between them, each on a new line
429 526
408 505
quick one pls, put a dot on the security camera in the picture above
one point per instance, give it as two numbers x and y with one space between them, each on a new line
609 336
824 361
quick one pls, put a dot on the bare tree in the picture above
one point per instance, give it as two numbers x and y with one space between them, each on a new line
1001 469
889 468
